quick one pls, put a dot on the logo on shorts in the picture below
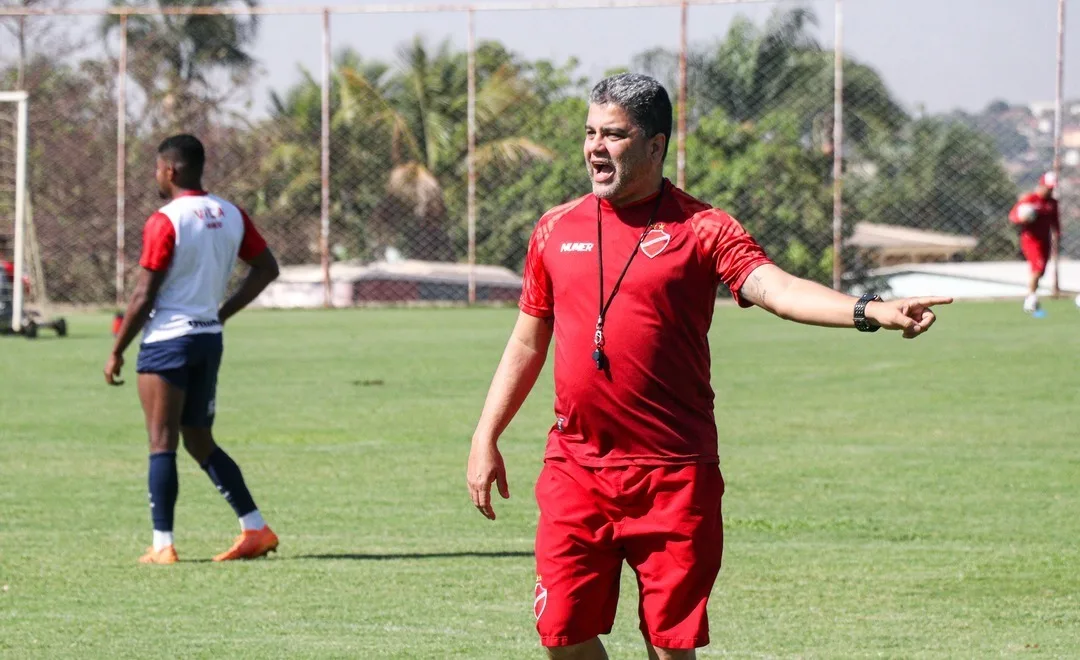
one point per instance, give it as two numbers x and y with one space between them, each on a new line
655 241
203 324
211 407
539 598
560 423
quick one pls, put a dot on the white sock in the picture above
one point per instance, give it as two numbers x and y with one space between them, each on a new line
253 520
162 540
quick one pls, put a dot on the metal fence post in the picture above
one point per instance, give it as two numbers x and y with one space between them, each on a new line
121 158
1059 102
680 155
838 148
324 212
471 157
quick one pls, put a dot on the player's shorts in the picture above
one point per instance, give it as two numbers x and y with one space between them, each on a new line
190 363
1036 252
665 522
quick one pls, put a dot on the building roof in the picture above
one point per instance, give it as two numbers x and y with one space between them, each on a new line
404 270
894 237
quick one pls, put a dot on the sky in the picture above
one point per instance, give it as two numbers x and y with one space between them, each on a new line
942 54
938 54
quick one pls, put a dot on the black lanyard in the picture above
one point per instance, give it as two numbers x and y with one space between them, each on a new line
598 353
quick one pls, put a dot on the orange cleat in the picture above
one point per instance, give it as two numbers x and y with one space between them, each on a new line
166 555
251 544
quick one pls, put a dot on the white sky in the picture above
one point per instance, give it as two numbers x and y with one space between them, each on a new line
943 54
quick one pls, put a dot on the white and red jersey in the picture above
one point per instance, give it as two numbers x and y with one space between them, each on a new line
1046 222
196 238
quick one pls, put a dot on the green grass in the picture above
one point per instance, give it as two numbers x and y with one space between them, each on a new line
885 498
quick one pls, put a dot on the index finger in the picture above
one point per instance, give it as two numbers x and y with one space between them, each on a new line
930 301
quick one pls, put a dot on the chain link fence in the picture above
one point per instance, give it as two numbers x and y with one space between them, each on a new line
415 166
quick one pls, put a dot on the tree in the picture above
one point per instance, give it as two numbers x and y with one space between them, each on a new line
177 59
764 177
1001 123
754 71
72 197
401 130
939 175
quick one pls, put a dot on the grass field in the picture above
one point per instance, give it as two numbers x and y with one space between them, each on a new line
885 498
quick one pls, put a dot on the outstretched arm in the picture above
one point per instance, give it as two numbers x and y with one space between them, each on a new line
521 363
803 301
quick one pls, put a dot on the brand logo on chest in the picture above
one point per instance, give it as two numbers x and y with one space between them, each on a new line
576 247
655 241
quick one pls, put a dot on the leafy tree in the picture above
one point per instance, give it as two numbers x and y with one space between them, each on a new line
763 175
939 175
178 61
754 71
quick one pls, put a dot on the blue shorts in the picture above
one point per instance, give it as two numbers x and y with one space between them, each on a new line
190 363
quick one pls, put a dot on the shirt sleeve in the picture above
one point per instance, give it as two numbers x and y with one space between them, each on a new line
537 298
1014 213
159 243
730 250
253 244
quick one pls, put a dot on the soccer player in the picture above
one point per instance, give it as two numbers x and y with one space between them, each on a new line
625 280
189 249
9 266
1036 216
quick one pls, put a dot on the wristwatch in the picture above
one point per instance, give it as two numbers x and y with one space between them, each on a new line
861 323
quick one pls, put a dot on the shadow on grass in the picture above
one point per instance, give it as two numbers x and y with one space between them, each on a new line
414 555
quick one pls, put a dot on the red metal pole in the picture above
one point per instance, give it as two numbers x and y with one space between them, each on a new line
838 148
121 159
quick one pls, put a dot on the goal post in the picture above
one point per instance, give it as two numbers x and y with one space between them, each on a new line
20 98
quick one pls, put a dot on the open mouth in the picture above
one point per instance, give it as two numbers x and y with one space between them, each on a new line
603 171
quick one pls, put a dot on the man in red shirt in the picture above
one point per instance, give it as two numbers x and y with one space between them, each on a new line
625 280
1036 215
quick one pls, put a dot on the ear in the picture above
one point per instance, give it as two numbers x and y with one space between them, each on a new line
656 147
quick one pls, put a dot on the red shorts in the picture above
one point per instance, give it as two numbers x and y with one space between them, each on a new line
665 522
1037 252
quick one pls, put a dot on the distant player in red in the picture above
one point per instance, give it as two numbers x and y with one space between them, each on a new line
1036 215
189 249
625 280
9 266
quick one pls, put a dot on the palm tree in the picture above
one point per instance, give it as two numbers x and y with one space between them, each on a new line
177 57
398 147
420 106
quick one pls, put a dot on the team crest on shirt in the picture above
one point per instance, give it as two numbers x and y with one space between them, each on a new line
539 598
655 241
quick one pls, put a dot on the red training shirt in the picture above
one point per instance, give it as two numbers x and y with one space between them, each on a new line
653 405
1046 218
